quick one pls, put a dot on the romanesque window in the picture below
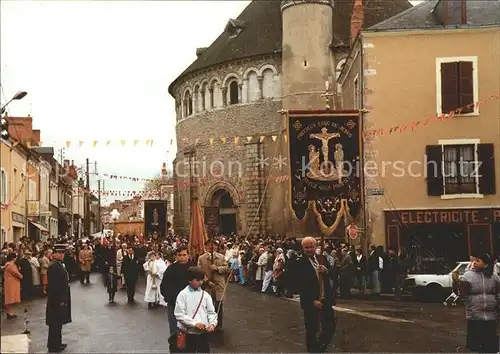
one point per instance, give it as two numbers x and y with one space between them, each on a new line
233 92
212 99
253 87
268 84
188 104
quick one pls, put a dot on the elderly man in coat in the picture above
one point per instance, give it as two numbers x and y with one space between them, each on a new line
86 258
58 311
217 271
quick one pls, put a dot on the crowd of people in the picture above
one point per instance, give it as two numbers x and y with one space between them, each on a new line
268 265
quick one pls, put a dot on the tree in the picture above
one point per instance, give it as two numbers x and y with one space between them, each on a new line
152 188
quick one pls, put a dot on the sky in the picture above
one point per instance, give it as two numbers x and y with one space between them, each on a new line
98 70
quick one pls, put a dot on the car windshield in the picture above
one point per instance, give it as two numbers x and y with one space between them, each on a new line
430 266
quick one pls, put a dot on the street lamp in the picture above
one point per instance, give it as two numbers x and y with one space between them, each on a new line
18 96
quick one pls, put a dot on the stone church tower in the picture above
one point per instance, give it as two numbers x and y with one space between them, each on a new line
307 61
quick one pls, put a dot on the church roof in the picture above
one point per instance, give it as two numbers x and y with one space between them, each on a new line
259 30
422 16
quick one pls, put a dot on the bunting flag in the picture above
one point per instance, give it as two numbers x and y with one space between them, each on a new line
412 126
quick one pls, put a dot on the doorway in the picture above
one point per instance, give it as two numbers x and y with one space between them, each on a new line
227 211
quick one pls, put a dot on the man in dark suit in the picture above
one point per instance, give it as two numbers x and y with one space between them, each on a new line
317 305
58 311
130 273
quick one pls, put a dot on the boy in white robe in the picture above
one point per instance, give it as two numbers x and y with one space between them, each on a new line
155 268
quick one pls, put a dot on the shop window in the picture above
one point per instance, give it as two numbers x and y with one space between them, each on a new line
457 85
460 169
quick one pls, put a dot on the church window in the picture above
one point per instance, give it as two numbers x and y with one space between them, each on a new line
212 98
268 84
190 105
233 92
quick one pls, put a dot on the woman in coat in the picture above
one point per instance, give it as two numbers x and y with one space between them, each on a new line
12 285
481 289
35 268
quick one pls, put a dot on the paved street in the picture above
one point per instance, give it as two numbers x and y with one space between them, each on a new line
253 323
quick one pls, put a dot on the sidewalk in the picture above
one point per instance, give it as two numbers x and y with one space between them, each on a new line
18 343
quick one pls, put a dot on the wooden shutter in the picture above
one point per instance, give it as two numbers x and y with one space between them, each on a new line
466 85
434 169
486 168
449 87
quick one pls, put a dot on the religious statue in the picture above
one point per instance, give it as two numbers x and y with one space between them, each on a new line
313 159
155 216
339 159
325 137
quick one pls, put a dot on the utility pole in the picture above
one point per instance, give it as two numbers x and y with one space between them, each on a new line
86 196
99 204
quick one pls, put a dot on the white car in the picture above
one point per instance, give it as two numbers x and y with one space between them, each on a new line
435 286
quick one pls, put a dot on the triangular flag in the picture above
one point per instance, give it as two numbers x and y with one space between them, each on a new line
286 138
274 137
236 139
80 143
211 140
223 139
147 141
15 143
94 143
136 142
122 142
151 144
28 144
262 137
249 139
108 142
68 143
196 141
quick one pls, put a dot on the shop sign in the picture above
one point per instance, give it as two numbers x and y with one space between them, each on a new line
33 208
455 216
18 217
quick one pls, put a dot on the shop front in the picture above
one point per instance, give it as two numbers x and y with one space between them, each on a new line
18 225
449 234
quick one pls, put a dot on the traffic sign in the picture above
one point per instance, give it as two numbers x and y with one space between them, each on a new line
352 231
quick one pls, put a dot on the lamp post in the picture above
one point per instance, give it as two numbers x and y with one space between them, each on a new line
18 96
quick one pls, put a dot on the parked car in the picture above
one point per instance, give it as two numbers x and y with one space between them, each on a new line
435 286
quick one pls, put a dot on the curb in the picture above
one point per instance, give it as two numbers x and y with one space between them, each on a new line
19 343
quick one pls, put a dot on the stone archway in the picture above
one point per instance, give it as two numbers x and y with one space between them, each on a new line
226 199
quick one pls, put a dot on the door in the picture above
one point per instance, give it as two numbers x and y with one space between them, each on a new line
480 239
227 224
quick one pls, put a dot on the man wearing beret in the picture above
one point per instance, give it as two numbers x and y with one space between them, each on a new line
58 300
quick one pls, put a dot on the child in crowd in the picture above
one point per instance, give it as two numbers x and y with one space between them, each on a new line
111 284
234 264
195 313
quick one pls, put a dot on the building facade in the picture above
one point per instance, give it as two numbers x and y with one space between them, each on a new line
227 104
5 191
432 132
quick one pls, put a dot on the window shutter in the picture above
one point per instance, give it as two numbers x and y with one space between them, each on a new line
466 84
449 87
434 172
486 168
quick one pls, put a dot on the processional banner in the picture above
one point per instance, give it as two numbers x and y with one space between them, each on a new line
325 165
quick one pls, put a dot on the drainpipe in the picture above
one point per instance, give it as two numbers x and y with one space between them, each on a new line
362 147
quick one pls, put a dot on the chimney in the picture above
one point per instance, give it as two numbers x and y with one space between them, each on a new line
357 18
164 170
451 12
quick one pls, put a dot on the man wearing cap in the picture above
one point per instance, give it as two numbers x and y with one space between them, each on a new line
217 270
58 310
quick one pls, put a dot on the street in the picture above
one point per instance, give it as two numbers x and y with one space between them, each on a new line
253 323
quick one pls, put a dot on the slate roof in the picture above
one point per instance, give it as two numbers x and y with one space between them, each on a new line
262 33
479 13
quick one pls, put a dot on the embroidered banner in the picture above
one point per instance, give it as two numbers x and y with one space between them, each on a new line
325 167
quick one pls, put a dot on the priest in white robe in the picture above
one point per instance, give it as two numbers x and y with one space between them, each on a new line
155 268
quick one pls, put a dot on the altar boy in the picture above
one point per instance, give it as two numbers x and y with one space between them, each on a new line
195 313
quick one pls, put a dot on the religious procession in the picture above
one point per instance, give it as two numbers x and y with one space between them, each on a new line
328 178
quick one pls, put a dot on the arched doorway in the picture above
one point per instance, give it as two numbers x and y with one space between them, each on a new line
227 211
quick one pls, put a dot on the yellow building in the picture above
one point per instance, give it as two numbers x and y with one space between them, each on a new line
430 79
5 220
12 191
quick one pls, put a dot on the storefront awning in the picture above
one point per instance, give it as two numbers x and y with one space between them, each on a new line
38 226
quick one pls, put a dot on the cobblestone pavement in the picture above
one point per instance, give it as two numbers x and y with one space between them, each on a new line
253 322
